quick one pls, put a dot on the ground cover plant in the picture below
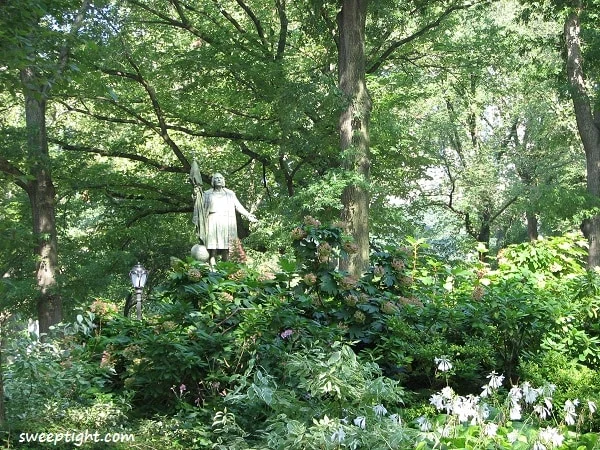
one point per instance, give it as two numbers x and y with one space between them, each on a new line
420 353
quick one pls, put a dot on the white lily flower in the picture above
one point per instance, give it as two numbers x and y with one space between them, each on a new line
531 394
513 436
338 435
396 419
379 410
424 423
438 401
495 380
570 414
551 436
443 364
515 412
490 429
360 422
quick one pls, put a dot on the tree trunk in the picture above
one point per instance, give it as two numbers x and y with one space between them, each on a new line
354 129
484 234
42 199
587 126
532 226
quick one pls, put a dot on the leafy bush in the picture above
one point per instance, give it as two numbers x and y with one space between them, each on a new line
305 356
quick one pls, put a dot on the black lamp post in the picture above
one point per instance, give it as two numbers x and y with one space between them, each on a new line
138 276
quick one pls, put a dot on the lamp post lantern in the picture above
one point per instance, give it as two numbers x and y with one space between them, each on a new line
138 276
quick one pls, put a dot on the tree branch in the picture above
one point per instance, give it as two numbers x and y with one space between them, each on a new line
252 154
246 164
427 27
225 134
283 29
131 156
503 208
13 171
63 57
175 23
147 212
229 17
259 29
164 133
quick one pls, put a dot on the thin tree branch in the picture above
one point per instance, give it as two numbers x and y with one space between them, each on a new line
246 164
63 57
259 28
173 22
503 208
14 173
164 133
257 156
146 213
225 134
118 154
229 17
427 27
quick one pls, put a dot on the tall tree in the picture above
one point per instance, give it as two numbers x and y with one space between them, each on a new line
354 128
40 59
587 113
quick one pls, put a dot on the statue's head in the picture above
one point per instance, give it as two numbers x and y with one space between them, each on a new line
218 180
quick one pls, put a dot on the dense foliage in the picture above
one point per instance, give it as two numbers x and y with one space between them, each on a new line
302 355
466 124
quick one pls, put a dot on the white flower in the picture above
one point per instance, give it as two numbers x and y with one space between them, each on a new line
338 435
447 392
438 401
548 390
515 394
487 390
495 380
484 411
360 422
539 446
570 414
443 364
465 407
541 411
592 407
551 436
570 418
444 431
424 423
513 436
531 394
515 412
379 410
490 429
396 419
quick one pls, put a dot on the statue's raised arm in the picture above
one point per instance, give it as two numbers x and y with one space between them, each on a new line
199 215
195 175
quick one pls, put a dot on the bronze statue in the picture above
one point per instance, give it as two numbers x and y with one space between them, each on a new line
214 215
